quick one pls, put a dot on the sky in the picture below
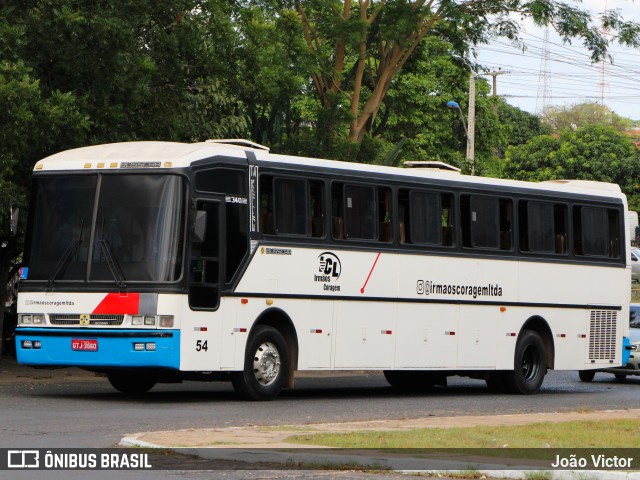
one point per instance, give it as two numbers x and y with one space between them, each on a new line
571 76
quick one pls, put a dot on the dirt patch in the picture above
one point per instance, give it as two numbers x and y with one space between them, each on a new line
274 437
12 373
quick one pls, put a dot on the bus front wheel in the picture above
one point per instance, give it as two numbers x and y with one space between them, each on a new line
529 364
131 383
265 366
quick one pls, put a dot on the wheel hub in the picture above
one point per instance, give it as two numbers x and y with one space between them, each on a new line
266 364
530 364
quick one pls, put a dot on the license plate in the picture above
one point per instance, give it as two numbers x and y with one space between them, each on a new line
84 345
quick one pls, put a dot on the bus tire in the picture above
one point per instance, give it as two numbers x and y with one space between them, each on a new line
529 365
265 366
131 383
586 375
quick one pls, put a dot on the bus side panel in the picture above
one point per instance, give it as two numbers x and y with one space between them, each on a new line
365 336
578 321
315 335
208 338
426 336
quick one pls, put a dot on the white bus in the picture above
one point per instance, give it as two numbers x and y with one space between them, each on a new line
159 262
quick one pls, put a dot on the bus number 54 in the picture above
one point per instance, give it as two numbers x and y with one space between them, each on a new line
200 345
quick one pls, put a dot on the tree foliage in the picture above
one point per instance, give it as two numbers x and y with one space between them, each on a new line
593 152
360 46
76 73
582 114
343 79
33 123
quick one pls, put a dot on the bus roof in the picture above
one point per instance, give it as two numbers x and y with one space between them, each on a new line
154 154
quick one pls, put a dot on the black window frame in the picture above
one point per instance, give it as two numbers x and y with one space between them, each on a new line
204 170
577 226
278 212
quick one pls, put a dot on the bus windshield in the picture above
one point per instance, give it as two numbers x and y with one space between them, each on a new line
135 228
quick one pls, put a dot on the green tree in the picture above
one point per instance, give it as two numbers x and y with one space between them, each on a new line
416 108
520 126
582 114
32 125
360 47
593 152
137 69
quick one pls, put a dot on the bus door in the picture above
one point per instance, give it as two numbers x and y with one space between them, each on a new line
201 341
206 256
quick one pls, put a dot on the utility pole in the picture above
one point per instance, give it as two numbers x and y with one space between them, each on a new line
471 121
494 93
544 78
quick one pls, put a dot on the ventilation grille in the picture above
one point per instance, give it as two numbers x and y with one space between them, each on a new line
602 334
74 319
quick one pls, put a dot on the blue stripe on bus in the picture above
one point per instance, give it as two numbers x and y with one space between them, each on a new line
112 350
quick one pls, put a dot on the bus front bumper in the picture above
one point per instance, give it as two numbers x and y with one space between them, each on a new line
98 348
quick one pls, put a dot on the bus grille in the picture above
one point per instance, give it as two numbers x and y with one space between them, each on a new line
602 335
74 319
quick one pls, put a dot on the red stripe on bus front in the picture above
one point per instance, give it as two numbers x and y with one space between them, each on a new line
119 303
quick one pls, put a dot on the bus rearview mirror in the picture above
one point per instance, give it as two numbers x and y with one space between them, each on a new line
15 213
199 226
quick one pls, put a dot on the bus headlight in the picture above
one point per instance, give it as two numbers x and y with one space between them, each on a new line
31 319
166 321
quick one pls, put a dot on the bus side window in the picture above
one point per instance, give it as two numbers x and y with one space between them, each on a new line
316 207
266 205
486 222
425 218
384 215
446 219
480 221
360 212
560 228
291 210
596 231
505 224
403 216
337 210
542 227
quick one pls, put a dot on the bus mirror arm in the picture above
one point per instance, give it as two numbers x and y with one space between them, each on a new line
199 226
14 215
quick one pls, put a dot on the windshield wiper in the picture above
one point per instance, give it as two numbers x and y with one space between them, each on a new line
112 262
71 250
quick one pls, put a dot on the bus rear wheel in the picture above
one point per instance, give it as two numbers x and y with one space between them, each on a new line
131 383
529 365
266 366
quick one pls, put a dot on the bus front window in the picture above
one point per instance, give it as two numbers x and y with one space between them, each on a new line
138 222
62 207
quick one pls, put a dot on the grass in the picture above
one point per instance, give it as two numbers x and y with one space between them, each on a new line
635 293
576 434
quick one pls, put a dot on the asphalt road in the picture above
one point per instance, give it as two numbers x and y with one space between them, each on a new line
69 411
42 409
